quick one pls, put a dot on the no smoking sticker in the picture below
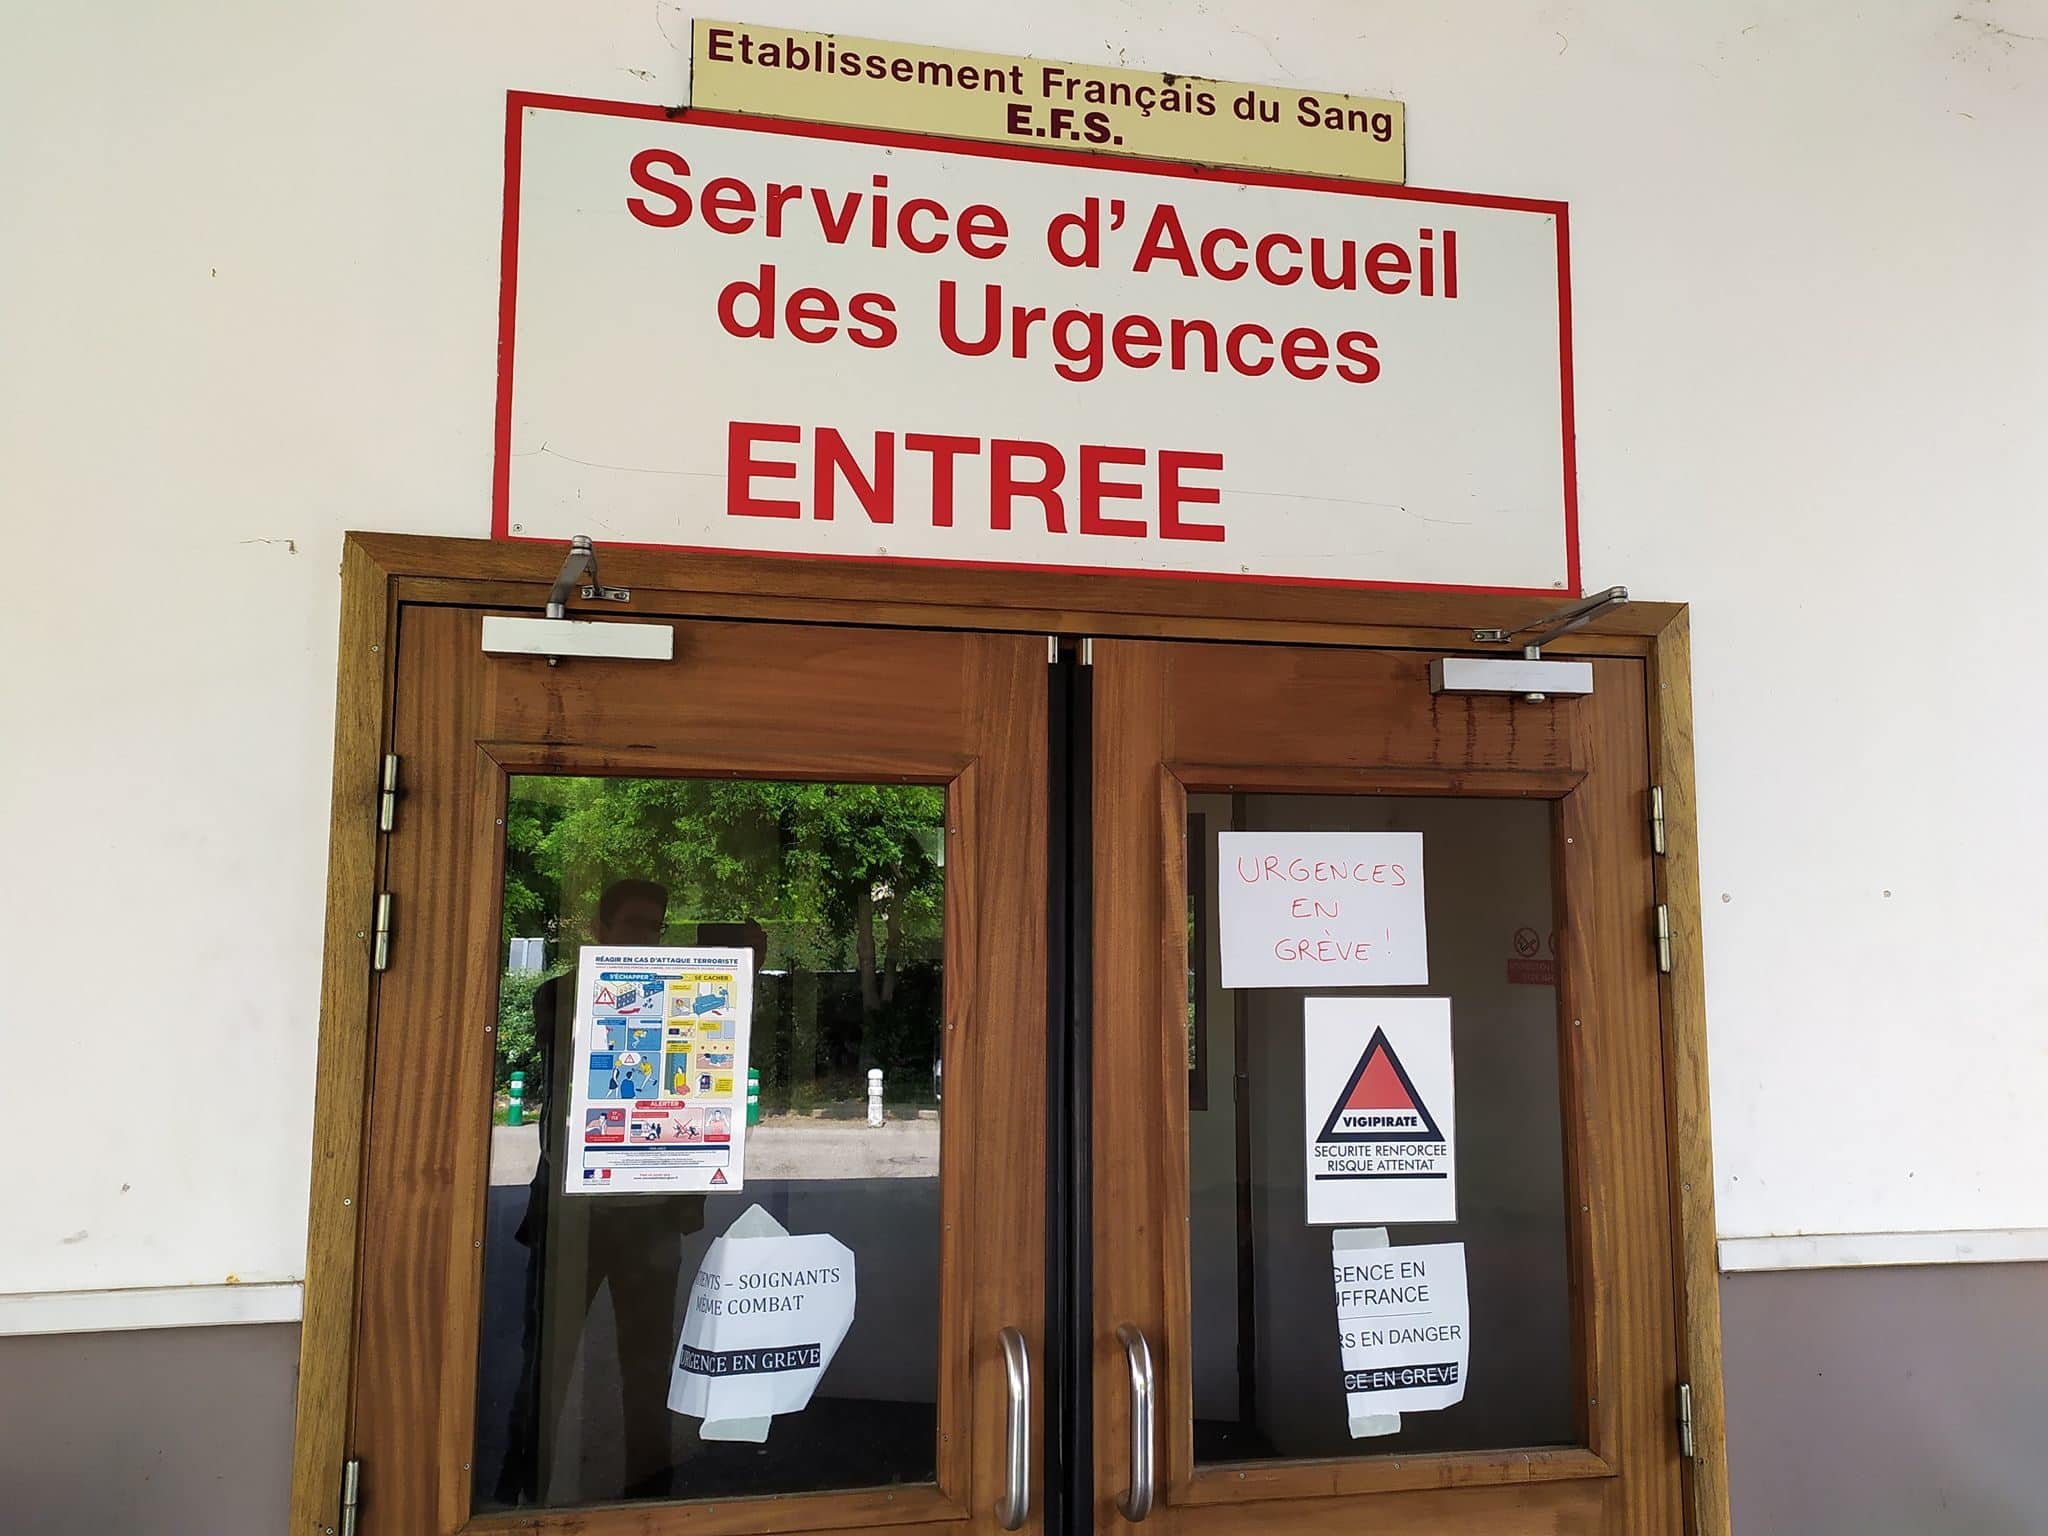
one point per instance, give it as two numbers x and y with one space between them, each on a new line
1528 966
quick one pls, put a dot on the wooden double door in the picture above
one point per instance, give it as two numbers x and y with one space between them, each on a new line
998 1056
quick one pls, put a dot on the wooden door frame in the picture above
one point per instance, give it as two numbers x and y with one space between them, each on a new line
380 572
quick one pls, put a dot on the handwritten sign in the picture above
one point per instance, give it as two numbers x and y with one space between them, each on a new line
1321 909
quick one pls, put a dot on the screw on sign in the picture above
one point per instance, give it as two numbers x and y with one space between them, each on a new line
1527 942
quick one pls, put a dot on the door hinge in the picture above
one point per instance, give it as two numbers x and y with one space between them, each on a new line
351 1487
1663 938
1656 818
1685 1442
380 939
387 794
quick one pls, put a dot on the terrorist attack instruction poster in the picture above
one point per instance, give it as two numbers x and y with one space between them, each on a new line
660 1094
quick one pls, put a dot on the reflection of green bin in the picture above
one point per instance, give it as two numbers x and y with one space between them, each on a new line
753 1095
515 1109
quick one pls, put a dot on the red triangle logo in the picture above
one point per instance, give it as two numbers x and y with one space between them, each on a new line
718 1175
1379 1087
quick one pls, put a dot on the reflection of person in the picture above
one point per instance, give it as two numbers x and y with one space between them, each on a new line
630 1245
748 935
627 1244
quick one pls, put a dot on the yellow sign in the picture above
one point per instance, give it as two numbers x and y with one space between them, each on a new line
818 77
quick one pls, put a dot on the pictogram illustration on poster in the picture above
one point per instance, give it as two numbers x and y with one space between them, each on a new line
659 1096
1380 1116
1403 1325
767 1312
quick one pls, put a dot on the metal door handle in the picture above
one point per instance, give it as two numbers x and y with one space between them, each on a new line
1135 1503
1015 1503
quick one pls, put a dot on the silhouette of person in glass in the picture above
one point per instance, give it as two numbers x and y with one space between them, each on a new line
627 1244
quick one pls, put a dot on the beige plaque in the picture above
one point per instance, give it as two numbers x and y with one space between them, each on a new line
856 81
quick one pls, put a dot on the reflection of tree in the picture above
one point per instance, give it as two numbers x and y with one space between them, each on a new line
843 876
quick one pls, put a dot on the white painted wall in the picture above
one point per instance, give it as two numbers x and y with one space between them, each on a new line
248 276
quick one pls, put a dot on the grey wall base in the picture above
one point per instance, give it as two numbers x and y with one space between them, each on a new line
163 1432
1865 1402
1888 1402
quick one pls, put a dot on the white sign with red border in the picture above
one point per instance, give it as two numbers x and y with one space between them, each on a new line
738 334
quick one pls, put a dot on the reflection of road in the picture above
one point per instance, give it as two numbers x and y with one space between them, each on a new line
783 1147
798 1147
515 1153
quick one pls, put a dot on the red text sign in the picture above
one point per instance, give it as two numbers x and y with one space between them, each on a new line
1321 909
735 333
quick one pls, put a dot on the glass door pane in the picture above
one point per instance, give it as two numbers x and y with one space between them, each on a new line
1237 1223
861 811
838 891
1268 1370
